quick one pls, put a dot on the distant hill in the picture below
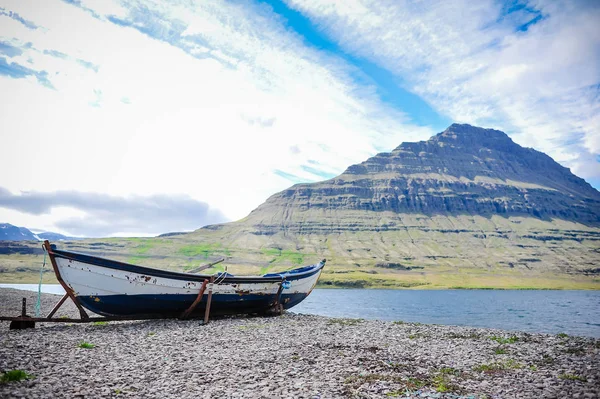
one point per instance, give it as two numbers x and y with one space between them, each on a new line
468 208
8 232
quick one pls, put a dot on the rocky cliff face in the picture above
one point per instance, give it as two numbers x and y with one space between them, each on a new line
464 170
468 207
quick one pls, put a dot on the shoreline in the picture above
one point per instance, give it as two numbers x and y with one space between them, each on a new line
565 285
289 356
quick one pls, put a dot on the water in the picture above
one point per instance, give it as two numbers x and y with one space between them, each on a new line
571 312
46 288
553 312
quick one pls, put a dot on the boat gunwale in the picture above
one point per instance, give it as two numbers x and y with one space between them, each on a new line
144 270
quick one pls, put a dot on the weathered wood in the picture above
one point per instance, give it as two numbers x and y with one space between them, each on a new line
67 289
203 267
189 310
278 307
57 306
209 300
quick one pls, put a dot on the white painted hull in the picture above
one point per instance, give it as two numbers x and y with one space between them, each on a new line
118 289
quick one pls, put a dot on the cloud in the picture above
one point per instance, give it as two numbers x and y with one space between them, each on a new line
204 98
55 53
88 65
9 50
101 215
529 68
17 17
17 71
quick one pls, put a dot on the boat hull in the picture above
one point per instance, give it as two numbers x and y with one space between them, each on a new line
111 288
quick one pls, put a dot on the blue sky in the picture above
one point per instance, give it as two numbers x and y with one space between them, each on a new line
140 99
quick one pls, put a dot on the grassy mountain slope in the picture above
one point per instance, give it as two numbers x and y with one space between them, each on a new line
467 208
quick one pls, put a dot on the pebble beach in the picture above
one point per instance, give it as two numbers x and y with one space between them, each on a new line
289 356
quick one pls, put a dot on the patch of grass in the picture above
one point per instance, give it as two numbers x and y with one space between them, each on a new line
415 383
572 377
14 375
502 340
117 391
151 334
203 250
441 383
86 345
144 246
562 335
512 364
464 336
135 260
295 358
346 322
279 255
399 322
449 371
100 323
500 351
533 368
498 366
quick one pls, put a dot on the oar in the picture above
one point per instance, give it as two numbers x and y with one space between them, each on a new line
200 268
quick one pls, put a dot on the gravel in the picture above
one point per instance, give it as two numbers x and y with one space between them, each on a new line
291 356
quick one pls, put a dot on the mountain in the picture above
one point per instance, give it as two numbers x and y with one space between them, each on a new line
8 232
464 170
468 208
465 203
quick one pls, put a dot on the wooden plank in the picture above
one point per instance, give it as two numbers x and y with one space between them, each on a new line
189 310
203 267
57 306
209 300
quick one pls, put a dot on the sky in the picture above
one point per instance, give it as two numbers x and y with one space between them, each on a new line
136 118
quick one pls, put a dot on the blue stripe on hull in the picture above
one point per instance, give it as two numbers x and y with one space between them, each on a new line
174 305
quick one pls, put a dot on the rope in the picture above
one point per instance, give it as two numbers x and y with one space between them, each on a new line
38 304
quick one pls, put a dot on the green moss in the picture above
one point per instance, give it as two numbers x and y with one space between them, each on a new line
441 383
572 377
502 340
100 323
204 250
14 375
280 256
135 260
86 345
498 366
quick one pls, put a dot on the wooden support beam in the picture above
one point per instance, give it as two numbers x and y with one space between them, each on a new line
203 267
67 289
209 300
189 310
57 306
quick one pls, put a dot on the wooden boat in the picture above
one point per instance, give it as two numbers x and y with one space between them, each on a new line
117 289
